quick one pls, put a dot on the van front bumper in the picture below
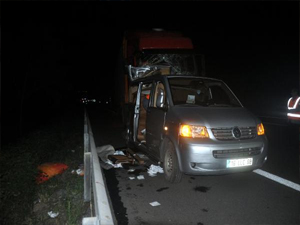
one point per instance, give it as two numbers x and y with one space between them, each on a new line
210 157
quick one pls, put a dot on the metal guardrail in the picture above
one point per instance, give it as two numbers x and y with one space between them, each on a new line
93 180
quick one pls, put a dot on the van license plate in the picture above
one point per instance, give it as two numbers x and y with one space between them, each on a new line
239 162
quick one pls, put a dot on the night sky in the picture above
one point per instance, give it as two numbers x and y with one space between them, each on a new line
51 51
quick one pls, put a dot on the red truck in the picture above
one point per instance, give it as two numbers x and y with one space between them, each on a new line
149 51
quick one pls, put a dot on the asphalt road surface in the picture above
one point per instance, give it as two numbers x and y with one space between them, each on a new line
243 198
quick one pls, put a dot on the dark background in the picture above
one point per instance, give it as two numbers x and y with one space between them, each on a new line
52 51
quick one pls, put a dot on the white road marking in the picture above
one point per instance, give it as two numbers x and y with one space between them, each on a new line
278 179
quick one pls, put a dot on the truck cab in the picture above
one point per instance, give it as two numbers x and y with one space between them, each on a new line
148 50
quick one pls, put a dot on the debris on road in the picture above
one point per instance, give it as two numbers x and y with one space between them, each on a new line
140 177
53 214
80 172
114 159
135 156
115 165
48 170
154 203
106 165
153 170
142 156
105 151
118 152
120 159
131 178
129 157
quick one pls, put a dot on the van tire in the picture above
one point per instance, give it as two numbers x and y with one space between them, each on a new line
170 163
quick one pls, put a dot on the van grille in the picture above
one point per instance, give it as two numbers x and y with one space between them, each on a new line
226 133
236 153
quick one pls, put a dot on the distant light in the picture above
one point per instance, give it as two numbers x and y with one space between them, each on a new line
165 128
106 102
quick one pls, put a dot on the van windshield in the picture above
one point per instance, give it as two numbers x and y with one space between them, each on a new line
201 92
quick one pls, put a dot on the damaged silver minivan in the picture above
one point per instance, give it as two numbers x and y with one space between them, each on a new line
194 125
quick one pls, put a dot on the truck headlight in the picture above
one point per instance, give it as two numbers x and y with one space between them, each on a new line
193 131
260 129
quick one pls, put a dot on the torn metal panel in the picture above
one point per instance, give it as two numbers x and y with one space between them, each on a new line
165 64
130 157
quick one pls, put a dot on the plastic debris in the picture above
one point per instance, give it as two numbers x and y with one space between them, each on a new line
131 178
110 158
153 170
142 156
140 177
104 151
106 166
118 165
118 152
131 170
48 170
80 172
154 203
53 214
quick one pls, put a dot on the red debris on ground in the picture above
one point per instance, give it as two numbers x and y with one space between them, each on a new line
48 170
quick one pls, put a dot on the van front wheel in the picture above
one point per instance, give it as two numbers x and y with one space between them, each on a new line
170 164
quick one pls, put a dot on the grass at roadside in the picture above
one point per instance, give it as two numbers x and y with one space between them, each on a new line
22 201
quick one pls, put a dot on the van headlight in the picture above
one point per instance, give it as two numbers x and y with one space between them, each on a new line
260 129
193 131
